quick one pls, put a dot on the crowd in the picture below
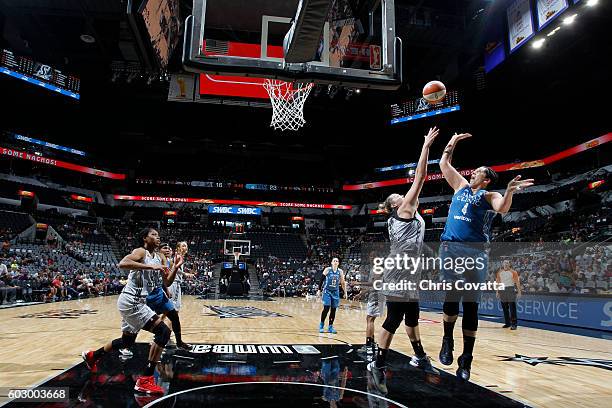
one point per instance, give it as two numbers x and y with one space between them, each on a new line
561 271
39 276
300 277
48 283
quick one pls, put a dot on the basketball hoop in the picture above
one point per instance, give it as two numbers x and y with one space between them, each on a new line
287 103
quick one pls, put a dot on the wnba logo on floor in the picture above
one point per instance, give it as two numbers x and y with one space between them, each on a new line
252 349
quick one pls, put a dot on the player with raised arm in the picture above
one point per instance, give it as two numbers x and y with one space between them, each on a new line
465 235
329 290
406 234
147 272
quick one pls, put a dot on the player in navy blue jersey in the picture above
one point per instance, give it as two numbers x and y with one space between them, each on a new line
465 236
329 289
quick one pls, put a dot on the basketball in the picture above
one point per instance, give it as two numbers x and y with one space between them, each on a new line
434 91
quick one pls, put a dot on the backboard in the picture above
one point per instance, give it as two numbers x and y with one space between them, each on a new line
352 44
237 245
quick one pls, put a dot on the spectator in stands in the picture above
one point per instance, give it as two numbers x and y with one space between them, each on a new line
60 288
46 284
8 291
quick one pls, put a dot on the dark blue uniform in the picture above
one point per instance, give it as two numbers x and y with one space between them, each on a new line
159 301
465 236
469 217
331 288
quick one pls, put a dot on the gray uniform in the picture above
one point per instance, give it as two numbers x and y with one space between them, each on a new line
375 300
175 288
376 304
406 236
132 301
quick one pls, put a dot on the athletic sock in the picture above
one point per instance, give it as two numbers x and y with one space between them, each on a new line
150 368
448 329
468 345
381 358
418 349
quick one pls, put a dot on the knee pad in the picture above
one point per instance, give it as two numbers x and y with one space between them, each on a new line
470 316
412 314
161 334
451 308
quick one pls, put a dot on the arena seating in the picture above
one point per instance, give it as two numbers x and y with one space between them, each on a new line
280 245
12 223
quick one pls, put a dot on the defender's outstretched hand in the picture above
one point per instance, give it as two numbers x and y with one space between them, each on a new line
431 136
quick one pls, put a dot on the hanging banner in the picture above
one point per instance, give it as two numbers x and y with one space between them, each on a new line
182 88
548 10
520 23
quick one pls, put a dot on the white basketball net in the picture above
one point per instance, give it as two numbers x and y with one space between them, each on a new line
287 103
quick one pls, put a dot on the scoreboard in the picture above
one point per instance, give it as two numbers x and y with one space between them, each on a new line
418 108
39 74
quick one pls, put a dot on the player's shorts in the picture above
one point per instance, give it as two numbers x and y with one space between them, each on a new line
467 262
376 304
175 292
159 302
135 313
331 299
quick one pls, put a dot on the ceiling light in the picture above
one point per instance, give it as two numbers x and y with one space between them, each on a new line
88 39
592 3
538 43
553 32
570 19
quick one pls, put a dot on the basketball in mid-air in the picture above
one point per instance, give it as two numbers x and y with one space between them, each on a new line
434 91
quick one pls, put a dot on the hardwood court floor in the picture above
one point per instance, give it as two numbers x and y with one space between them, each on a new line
40 341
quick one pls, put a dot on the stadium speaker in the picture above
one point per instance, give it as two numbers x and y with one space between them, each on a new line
29 204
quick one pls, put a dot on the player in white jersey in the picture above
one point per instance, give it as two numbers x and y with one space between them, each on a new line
374 307
406 233
148 272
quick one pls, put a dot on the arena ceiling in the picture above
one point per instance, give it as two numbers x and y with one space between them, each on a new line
521 112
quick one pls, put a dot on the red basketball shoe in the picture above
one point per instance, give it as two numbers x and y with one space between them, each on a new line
147 385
